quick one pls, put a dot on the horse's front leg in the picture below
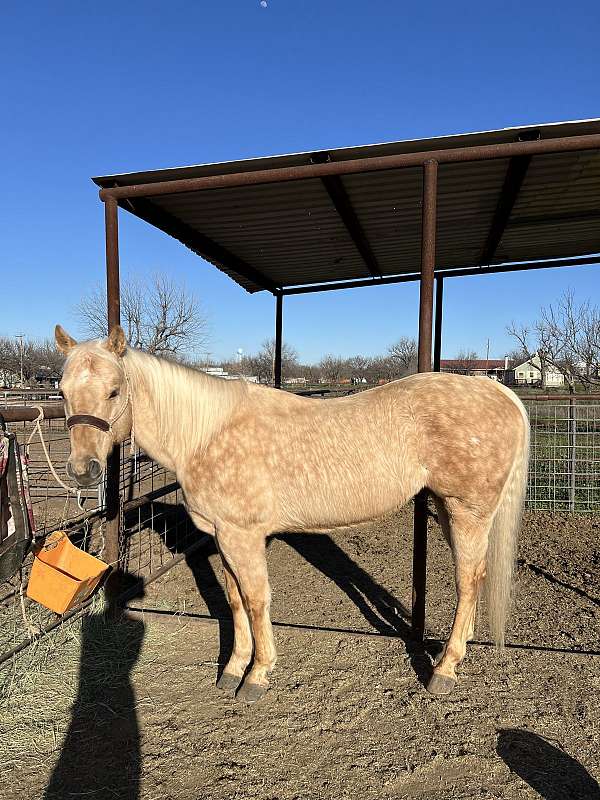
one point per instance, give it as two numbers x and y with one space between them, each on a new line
245 554
241 656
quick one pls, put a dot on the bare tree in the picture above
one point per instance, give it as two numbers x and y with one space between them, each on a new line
37 358
466 360
262 364
157 315
332 368
9 360
403 354
359 366
566 338
310 372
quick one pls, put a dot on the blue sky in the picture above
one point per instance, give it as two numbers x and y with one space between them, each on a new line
94 89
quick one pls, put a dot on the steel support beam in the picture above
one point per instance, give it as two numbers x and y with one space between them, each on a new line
428 231
437 326
113 463
113 290
338 196
428 234
565 144
197 242
513 180
448 273
278 340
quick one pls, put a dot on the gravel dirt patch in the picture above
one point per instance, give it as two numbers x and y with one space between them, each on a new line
130 710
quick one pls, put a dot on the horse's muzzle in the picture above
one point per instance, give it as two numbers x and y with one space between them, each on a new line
88 477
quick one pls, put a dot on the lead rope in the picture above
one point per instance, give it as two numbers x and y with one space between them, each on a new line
38 429
33 630
130 401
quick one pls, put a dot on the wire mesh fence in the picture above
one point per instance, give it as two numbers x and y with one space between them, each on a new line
564 465
154 526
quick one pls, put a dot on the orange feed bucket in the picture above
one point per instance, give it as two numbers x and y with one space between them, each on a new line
62 575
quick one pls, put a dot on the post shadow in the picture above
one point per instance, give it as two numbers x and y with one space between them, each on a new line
100 755
176 518
551 772
384 612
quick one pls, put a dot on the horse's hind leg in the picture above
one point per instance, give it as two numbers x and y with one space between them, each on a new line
444 522
469 540
245 554
241 656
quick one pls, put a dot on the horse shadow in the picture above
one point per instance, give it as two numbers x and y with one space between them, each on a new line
175 520
100 755
551 772
384 612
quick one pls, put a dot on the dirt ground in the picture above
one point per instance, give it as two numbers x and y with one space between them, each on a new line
347 715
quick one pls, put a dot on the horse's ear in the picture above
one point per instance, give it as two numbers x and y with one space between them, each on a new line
116 342
64 342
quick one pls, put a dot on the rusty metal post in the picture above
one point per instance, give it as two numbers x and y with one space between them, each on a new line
113 301
428 227
278 340
437 326
428 231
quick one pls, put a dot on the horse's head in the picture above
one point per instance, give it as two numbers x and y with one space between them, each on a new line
97 401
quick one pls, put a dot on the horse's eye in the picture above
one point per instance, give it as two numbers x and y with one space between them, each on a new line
113 394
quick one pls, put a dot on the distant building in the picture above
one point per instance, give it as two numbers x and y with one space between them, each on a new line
529 373
47 377
296 381
219 372
495 368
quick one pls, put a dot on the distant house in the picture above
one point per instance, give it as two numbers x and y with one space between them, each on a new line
529 373
47 377
219 372
296 381
494 368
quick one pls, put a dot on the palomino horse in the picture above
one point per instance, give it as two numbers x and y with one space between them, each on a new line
253 461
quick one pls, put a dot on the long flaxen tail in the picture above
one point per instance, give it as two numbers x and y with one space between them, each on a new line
503 536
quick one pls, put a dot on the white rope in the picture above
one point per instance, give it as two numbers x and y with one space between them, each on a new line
130 400
38 428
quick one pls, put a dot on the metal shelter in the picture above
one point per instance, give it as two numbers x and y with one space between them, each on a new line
473 204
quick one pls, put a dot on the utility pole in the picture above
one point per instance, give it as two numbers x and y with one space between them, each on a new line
487 357
20 337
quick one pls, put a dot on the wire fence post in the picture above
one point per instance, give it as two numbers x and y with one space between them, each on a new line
572 450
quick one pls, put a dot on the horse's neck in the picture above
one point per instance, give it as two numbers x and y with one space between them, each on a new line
176 411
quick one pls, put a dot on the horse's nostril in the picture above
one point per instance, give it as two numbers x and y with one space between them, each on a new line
94 468
88 476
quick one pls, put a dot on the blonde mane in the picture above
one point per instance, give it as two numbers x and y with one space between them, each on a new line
187 407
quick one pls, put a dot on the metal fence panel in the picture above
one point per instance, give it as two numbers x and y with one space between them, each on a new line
564 465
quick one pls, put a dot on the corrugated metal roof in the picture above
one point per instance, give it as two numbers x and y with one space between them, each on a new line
290 234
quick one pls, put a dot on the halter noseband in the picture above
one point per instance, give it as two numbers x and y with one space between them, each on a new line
89 419
103 425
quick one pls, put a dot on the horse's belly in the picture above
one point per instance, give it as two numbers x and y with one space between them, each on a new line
337 500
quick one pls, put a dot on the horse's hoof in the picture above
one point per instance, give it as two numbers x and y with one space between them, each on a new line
228 682
251 692
441 684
